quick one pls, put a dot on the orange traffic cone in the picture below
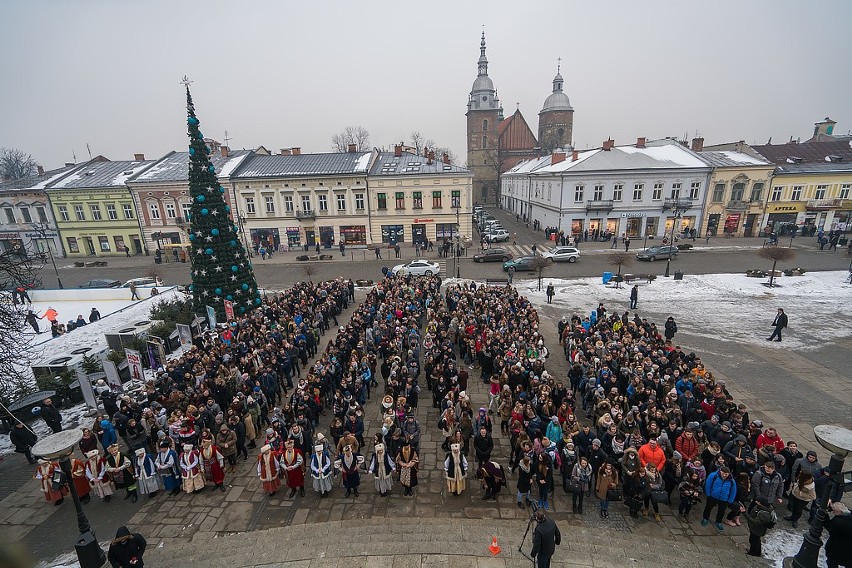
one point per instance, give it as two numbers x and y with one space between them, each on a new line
495 550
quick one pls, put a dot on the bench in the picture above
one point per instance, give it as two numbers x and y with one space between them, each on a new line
640 277
496 281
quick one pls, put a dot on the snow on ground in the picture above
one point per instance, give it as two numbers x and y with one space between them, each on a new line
779 543
70 311
726 307
71 418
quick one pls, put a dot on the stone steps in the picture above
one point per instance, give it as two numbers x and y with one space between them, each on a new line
432 542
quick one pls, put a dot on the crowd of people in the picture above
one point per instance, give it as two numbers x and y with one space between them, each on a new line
636 419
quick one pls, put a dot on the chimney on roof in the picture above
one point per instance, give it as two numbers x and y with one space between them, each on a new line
296 150
286 152
425 152
739 146
139 157
40 170
352 148
640 142
608 144
430 158
69 164
575 155
445 158
557 157
397 150
698 144
223 150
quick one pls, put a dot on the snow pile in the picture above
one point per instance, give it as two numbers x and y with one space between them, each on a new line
780 543
71 418
726 307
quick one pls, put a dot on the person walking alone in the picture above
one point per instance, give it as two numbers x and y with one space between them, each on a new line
545 539
550 292
133 294
779 323
634 296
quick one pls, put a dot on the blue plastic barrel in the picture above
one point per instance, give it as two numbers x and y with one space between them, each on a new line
607 276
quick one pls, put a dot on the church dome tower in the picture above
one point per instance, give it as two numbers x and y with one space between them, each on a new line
556 119
484 113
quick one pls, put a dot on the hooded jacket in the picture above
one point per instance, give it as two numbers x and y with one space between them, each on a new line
125 547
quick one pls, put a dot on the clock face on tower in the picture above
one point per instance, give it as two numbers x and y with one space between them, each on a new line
484 98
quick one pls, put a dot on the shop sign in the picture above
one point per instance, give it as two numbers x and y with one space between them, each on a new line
793 208
632 215
424 220
40 236
8 236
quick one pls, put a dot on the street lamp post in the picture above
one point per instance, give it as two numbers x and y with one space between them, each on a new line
838 441
42 232
242 220
458 266
675 213
60 446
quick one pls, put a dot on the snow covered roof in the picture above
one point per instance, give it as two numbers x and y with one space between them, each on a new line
528 166
657 154
818 168
276 165
37 182
407 163
731 159
174 167
101 175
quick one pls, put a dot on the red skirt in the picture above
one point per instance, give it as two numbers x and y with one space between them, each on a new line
52 496
81 484
271 486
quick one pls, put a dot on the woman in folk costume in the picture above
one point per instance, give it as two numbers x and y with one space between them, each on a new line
213 463
44 473
97 477
407 462
349 463
120 469
146 473
456 468
267 470
382 468
321 470
293 463
190 469
167 467
78 476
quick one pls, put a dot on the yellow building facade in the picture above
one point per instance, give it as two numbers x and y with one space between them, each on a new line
811 197
736 194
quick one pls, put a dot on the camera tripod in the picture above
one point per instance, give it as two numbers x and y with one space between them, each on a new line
534 506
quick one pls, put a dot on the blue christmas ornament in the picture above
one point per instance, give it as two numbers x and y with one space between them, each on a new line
204 211
211 169
257 301
233 243
242 310
191 237
190 287
245 286
235 268
200 198
221 189
227 208
229 298
191 151
209 251
214 232
192 120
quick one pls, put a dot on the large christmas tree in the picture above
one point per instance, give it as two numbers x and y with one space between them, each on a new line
220 267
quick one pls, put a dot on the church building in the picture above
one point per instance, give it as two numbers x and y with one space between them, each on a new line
496 144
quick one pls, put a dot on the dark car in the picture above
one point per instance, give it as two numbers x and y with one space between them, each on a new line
493 255
653 253
524 263
100 283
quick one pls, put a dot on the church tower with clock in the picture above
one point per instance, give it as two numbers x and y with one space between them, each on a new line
484 115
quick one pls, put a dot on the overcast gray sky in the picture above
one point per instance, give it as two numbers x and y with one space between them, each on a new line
286 73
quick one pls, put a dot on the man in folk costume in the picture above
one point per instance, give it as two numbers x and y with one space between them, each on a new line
492 477
167 467
321 470
213 463
120 469
44 473
382 468
78 476
146 473
348 464
267 470
190 469
456 468
97 477
293 464
407 462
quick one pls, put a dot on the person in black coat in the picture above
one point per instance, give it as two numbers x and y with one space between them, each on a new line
839 527
126 549
51 416
545 539
779 323
23 439
670 329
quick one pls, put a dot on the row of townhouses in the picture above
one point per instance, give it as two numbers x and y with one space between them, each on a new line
652 187
285 200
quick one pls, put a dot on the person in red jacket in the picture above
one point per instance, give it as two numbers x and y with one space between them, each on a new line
652 453
770 437
687 445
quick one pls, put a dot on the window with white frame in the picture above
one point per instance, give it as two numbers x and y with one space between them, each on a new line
323 202
719 192
128 210
96 211
756 192
776 193
694 190
306 202
820 191
63 213
104 242
657 194
617 191
80 212
270 203
676 190
359 201
42 214
250 210
578 193
341 202
187 210
171 212
10 215
288 203
599 189
797 193
844 190
25 213
637 191
112 213
154 210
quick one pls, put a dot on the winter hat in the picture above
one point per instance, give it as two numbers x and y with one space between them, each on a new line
187 447
757 423
92 454
140 451
811 453
726 425
677 456
269 431
163 444
596 442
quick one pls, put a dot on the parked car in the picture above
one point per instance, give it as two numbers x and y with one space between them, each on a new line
562 254
417 268
523 263
100 283
653 253
493 255
146 282
497 236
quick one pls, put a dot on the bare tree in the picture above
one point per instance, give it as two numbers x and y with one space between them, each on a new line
421 143
309 271
15 344
775 254
619 259
357 135
16 164
539 265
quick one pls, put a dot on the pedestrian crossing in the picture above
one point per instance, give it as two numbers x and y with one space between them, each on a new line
519 250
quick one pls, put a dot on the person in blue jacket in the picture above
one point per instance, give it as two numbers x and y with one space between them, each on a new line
720 489
108 437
